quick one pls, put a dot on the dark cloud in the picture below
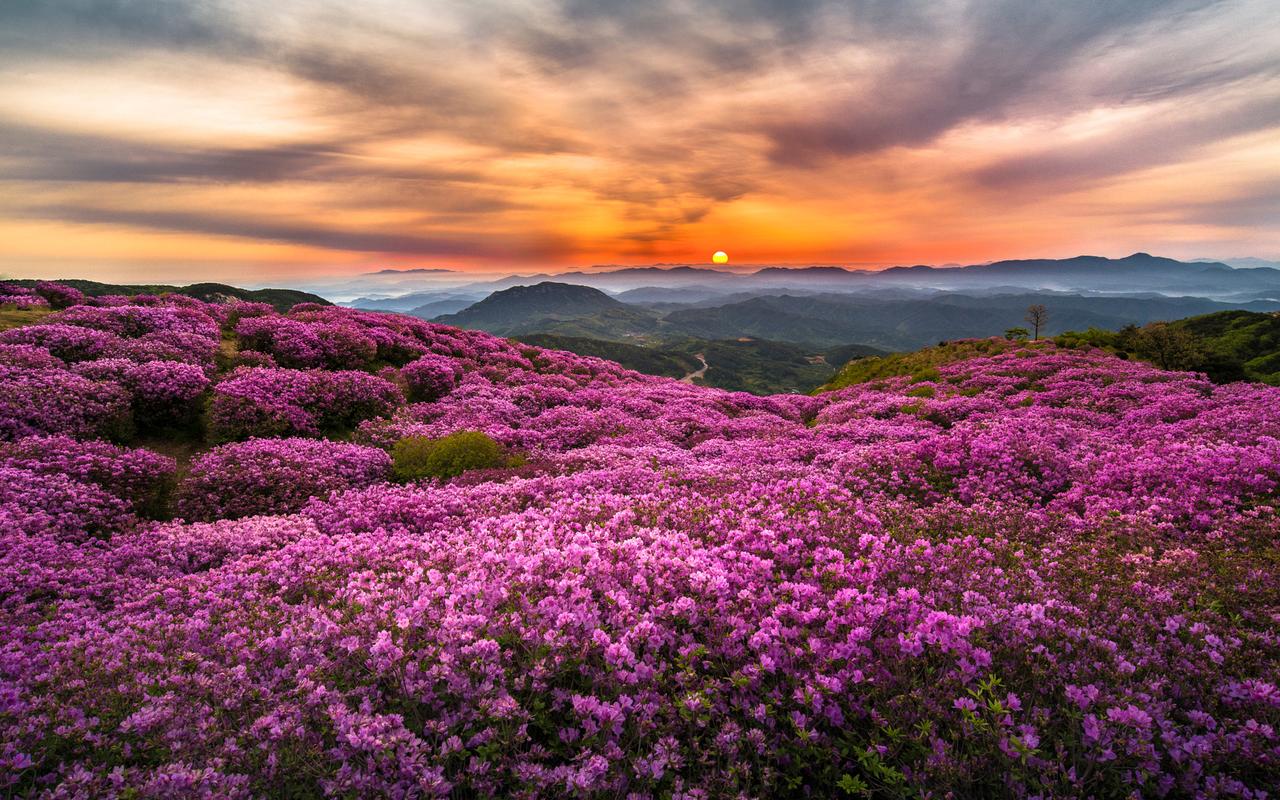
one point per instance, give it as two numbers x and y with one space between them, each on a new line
1155 142
992 58
333 238
80 26
39 154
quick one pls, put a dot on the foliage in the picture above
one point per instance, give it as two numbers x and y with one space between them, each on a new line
417 457
1227 346
279 299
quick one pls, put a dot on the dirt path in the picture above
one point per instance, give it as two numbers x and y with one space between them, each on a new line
696 373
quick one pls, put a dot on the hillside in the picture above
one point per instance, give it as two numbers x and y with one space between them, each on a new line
922 366
908 323
404 559
1227 345
280 299
649 360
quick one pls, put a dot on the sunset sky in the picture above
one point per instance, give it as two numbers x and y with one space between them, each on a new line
256 141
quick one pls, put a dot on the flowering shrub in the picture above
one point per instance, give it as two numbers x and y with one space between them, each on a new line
274 476
29 356
139 477
265 401
417 457
59 295
429 378
44 401
67 342
165 391
38 503
1021 571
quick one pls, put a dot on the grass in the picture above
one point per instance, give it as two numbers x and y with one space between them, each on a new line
921 365
11 317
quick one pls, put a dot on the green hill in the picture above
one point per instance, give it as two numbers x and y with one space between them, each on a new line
921 365
1226 346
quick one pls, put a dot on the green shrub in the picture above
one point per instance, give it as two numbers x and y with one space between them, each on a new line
416 457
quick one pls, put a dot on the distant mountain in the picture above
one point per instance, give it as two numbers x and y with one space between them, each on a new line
551 307
413 300
647 295
438 307
280 299
907 324
1243 263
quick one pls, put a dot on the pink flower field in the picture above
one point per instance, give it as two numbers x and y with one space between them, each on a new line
1033 572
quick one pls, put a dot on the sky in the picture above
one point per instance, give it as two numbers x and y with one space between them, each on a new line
248 141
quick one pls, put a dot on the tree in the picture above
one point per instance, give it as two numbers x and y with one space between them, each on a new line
1038 316
1016 333
1168 347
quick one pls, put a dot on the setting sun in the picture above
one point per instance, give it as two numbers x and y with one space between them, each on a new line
720 257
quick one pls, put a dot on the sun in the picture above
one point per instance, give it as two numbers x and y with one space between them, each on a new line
720 257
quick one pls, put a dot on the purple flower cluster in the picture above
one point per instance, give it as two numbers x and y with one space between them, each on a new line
275 476
138 476
20 297
59 295
1033 573
37 401
430 377
267 402
101 370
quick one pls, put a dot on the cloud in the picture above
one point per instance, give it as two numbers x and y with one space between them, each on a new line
561 127
1169 137
301 233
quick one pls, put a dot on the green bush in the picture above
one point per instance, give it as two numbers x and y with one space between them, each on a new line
416 457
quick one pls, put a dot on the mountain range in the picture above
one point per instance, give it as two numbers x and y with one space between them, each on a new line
1136 273
781 328
890 321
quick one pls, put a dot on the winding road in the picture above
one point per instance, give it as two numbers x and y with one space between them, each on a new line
696 373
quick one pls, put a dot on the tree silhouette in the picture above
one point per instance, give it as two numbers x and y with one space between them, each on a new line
1038 316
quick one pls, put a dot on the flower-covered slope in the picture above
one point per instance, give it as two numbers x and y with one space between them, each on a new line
1034 572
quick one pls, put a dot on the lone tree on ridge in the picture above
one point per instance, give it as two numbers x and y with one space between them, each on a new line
1038 316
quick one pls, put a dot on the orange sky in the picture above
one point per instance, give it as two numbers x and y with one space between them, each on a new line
179 141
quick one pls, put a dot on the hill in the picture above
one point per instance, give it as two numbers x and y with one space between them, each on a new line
280 299
549 307
1226 346
921 366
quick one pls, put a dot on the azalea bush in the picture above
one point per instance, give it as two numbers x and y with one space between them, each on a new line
995 568
266 401
274 476
430 377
